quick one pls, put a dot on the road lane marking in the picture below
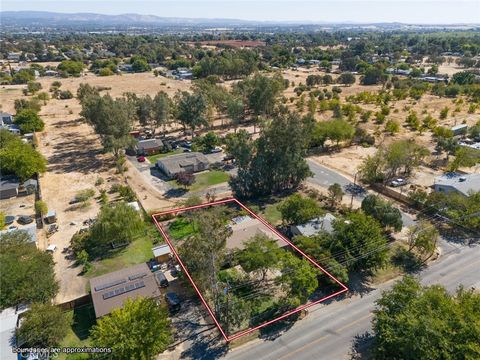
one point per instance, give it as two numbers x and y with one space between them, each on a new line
320 339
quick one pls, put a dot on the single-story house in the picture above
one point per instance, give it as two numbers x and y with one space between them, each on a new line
9 187
149 146
244 228
185 162
6 118
110 291
314 226
461 183
460 129
161 253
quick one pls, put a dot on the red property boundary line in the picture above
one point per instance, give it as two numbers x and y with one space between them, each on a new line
270 227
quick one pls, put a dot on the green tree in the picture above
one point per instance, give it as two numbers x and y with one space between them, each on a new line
416 322
191 110
298 277
464 157
388 215
139 64
240 146
111 118
360 241
24 104
26 273
139 330
297 209
71 68
44 97
259 254
43 325
111 228
29 121
373 76
235 110
18 157
33 87
423 238
41 207
185 179
335 194
346 79
277 162
392 126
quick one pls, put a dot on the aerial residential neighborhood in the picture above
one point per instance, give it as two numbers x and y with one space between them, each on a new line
238 180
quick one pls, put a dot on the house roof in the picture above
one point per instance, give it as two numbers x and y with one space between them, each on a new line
9 182
176 163
149 144
31 230
5 114
463 183
314 226
8 323
160 250
247 228
111 290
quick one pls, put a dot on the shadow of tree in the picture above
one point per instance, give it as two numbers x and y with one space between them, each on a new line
407 261
205 346
361 347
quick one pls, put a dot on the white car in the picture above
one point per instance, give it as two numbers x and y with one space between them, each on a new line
51 248
216 149
398 182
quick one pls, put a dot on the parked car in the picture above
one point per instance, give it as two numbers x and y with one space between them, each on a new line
9 219
51 248
398 182
141 158
173 301
24 220
161 279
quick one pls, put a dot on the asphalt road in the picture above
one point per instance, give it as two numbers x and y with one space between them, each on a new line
329 330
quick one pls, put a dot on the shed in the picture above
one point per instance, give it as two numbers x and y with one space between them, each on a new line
161 253
51 217
9 187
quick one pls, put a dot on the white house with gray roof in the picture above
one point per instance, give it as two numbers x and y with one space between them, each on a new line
185 162
461 183
314 226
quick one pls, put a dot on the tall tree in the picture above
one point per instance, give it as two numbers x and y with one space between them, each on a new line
112 119
335 194
423 237
259 254
191 110
277 157
139 330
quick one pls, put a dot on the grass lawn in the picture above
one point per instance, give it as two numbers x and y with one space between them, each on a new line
78 335
140 250
204 180
153 158
272 214
180 228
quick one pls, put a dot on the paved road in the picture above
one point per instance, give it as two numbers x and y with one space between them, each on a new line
324 177
328 331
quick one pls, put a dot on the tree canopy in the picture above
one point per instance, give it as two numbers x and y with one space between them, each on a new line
275 161
29 121
26 273
43 325
139 330
19 158
383 211
298 210
412 321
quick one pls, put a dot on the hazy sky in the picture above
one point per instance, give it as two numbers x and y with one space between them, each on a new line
408 11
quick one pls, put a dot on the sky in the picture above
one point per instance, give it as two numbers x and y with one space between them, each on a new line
406 11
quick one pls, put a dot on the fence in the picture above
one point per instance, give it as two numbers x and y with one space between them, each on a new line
382 189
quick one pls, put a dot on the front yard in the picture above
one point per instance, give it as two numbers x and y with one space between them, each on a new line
153 158
204 180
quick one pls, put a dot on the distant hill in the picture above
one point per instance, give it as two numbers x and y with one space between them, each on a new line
53 18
